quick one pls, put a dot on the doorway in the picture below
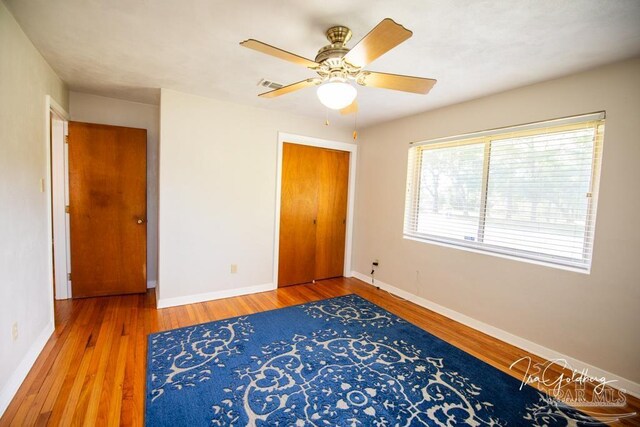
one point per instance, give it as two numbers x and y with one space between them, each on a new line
300 257
57 122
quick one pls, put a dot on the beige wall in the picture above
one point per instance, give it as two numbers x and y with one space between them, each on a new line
218 191
25 281
593 318
109 111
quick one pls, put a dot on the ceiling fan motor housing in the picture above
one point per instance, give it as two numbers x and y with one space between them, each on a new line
333 53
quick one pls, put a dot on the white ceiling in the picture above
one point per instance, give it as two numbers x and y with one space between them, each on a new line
129 48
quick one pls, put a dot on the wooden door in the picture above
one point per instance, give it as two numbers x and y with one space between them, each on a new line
333 173
107 206
298 207
312 214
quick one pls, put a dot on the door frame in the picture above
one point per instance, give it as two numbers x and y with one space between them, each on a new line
57 195
320 143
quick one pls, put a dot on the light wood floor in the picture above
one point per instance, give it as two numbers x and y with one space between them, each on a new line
92 370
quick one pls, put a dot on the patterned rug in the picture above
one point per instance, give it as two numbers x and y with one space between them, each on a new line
337 362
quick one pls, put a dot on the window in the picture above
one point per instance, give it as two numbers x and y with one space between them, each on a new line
528 191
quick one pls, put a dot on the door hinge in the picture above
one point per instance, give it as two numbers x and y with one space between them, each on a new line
66 209
68 277
66 139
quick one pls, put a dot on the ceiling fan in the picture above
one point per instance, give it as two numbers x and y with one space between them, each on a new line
337 65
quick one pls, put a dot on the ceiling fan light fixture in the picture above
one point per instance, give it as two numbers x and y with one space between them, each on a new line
336 95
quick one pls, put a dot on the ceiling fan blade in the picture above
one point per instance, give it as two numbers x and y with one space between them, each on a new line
384 37
279 53
350 109
290 88
412 84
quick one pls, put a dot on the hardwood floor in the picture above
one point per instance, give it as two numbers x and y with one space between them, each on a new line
92 370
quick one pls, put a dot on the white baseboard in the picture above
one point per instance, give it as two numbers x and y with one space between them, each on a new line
208 296
621 383
152 284
20 373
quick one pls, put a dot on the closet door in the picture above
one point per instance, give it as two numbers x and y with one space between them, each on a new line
296 261
333 177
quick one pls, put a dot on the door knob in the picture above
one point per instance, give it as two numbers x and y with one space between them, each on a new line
140 221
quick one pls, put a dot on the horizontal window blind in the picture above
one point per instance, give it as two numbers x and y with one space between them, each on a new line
528 192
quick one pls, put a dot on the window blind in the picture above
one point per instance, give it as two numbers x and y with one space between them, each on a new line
528 192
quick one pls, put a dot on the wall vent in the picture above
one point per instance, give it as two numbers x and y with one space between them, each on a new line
269 84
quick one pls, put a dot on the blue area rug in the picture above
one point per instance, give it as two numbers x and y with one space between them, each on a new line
338 362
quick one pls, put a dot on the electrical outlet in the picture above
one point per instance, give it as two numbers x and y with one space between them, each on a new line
234 268
14 331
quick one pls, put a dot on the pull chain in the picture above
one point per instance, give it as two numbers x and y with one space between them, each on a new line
355 126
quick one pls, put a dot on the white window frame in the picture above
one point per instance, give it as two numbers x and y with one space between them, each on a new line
487 137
